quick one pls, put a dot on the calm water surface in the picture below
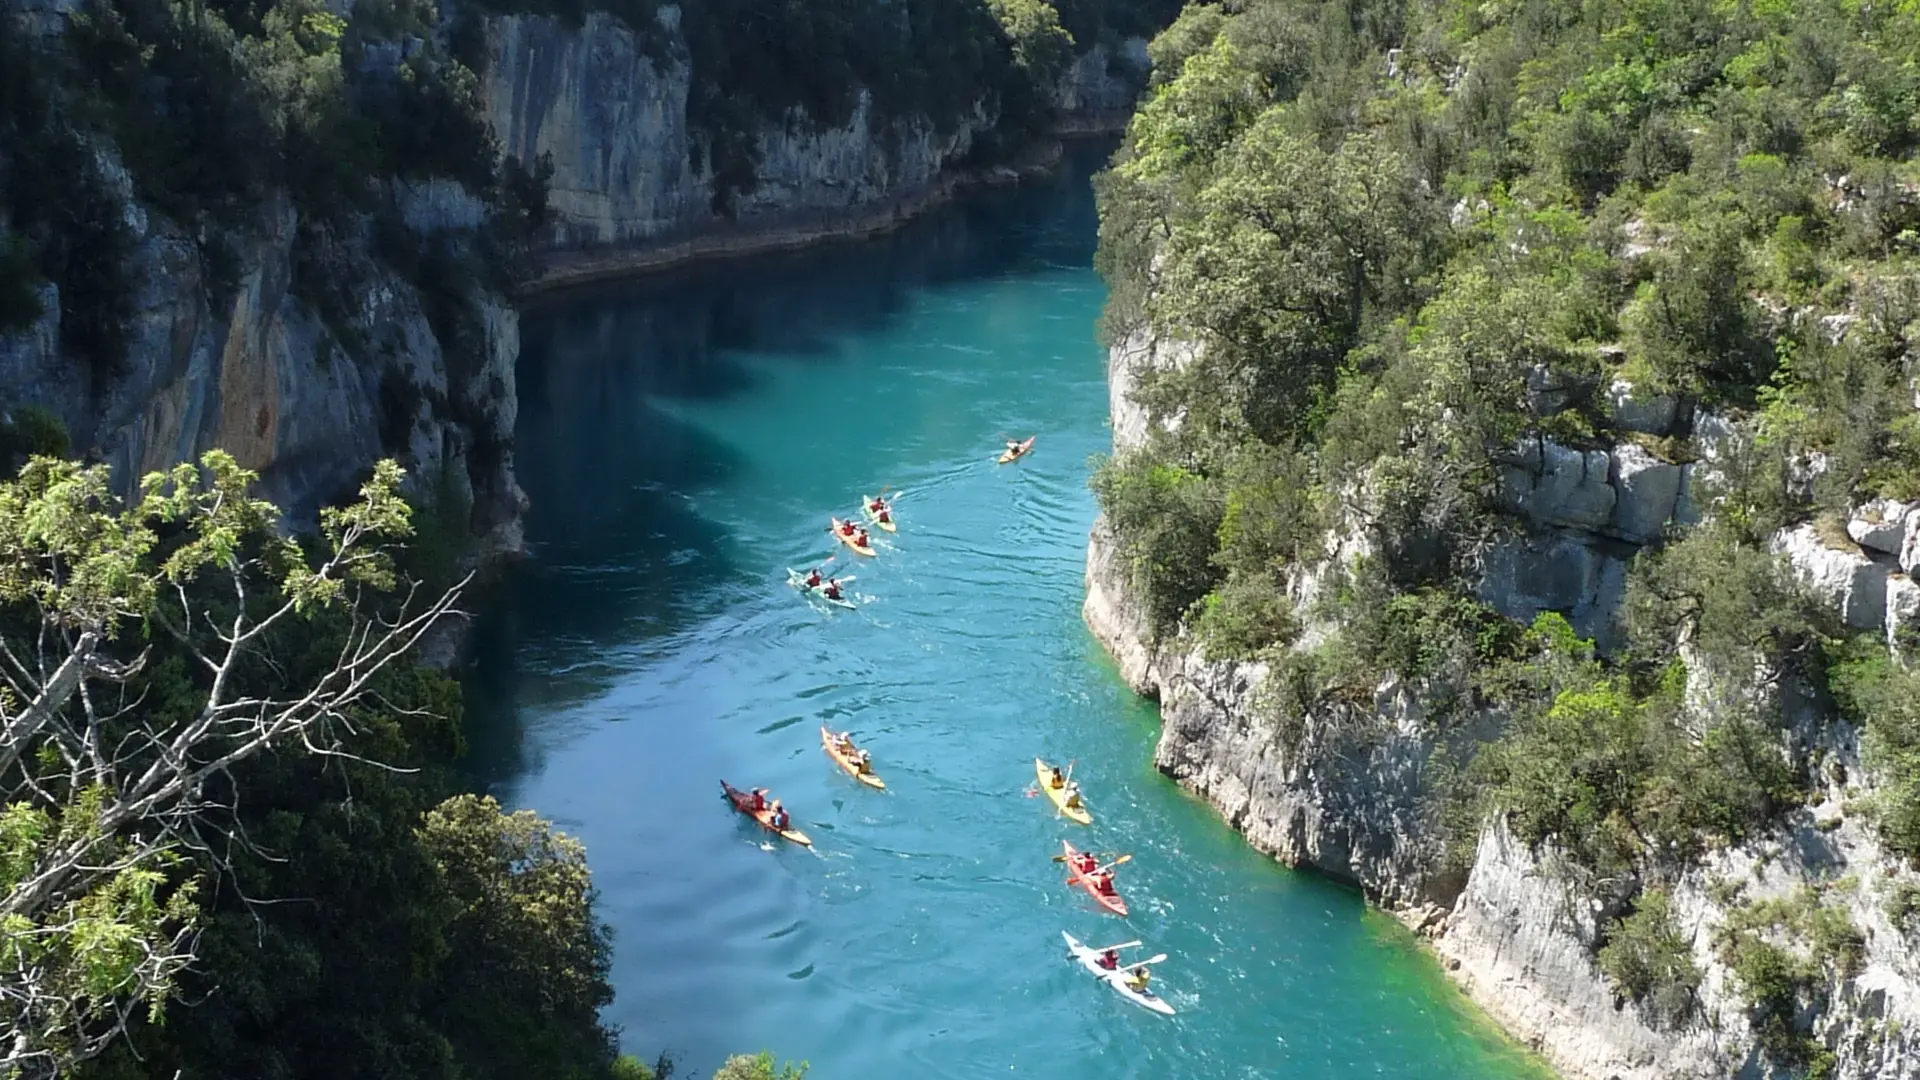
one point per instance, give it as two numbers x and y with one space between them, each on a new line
683 443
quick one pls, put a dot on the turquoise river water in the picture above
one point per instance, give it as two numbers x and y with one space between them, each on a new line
683 441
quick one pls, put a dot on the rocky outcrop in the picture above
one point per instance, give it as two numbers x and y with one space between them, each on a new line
1347 789
632 188
300 398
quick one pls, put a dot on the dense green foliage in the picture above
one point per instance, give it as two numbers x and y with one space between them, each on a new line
1401 245
266 889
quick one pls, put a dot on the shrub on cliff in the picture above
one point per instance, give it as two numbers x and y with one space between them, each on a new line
1648 959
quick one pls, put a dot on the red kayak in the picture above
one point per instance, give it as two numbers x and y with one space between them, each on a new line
743 802
1110 901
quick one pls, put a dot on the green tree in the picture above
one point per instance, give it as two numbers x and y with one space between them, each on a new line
107 801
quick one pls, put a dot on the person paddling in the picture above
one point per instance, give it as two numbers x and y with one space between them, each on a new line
1137 979
1056 781
861 540
1085 863
832 591
1103 882
883 515
1110 960
813 578
779 819
846 528
1073 795
878 504
758 799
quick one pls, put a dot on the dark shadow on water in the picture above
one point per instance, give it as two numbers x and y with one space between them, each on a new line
616 553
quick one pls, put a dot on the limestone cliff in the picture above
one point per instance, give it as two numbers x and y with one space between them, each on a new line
1349 790
305 389
630 189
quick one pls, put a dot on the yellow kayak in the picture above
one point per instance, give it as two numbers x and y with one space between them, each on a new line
1044 773
847 763
866 504
851 541
1017 451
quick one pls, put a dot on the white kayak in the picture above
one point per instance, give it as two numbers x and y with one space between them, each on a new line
1116 979
799 581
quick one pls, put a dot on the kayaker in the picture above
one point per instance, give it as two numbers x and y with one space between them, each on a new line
757 799
878 505
1057 781
861 541
883 515
1103 883
1085 863
1073 794
1137 979
1110 960
1013 446
843 743
832 591
846 528
779 819
813 578
862 761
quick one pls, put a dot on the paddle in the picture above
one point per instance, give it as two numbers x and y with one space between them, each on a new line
1063 858
1117 948
1114 863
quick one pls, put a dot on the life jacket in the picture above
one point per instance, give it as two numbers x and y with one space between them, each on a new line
1110 961
813 580
1104 883
846 528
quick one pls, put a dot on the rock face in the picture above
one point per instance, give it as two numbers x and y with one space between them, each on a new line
1346 790
261 374
611 109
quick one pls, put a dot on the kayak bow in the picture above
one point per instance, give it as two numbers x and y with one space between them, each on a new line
743 801
847 763
1044 773
1111 901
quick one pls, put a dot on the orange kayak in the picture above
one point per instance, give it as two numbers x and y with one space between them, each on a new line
743 802
851 541
847 763
1018 452
1110 901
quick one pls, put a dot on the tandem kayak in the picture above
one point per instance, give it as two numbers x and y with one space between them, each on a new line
1017 452
1044 772
1111 901
743 802
1090 960
847 763
799 581
866 504
851 541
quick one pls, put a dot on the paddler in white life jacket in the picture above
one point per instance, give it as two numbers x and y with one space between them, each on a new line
1073 794
862 761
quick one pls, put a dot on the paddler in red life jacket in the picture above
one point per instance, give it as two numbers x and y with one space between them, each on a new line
757 799
1103 883
832 591
881 511
846 528
1109 960
813 578
1085 863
